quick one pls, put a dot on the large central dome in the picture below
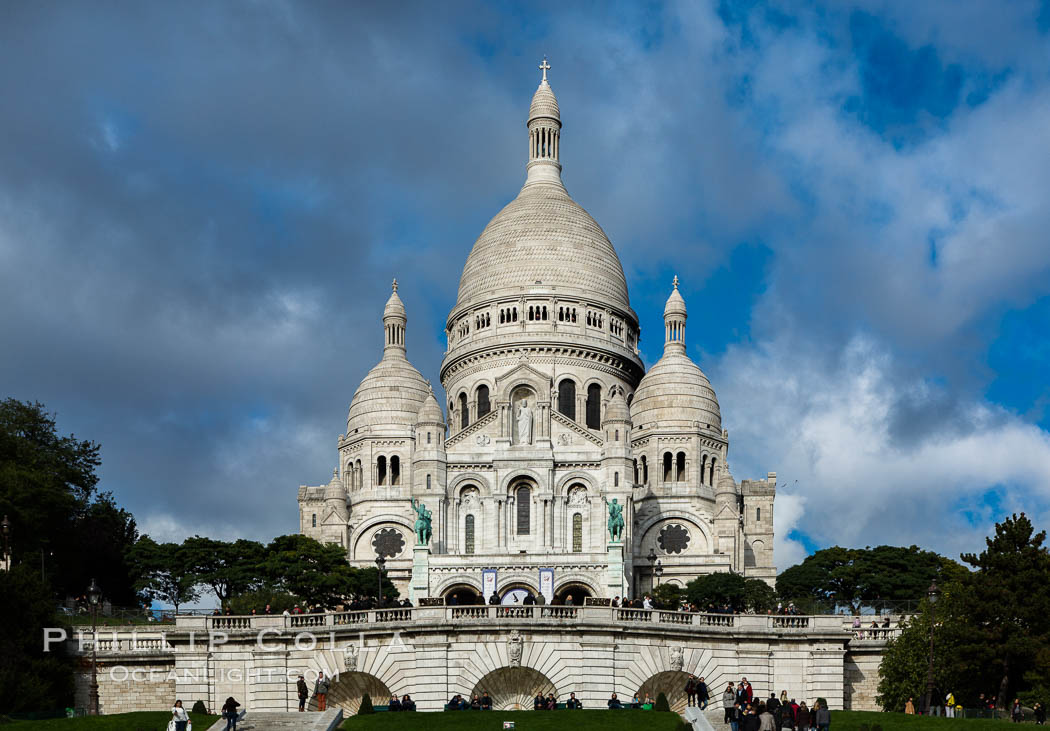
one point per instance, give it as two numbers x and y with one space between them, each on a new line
543 240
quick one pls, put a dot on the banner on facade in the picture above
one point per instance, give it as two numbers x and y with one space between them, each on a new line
488 583
547 584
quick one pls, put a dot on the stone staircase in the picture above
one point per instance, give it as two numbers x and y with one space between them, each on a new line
286 721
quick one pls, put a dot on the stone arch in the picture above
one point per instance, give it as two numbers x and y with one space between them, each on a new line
513 688
642 532
671 683
365 529
472 479
348 688
575 578
516 475
461 586
579 591
564 482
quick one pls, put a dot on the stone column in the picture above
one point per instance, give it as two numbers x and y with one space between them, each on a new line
420 584
269 688
615 577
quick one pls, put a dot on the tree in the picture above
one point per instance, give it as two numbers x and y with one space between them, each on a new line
165 572
668 596
30 679
1004 608
858 577
317 572
228 569
718 589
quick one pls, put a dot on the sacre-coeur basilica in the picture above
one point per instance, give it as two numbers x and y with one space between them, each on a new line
551 428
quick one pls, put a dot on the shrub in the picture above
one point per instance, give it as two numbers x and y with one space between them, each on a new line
661 703
683 726
366 706
199 707
257 600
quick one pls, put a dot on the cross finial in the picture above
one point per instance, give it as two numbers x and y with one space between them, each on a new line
544 67
675 282
394 285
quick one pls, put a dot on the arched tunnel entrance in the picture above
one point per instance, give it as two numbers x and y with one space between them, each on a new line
513 689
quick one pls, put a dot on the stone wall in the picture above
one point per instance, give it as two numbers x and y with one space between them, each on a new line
129 684
861 677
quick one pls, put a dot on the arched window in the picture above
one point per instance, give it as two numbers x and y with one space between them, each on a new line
711 472
544 313
679 467
616 479
313 520
645 470
395 470
501 317
428 437
703 470
636 472
483 401
668 462
758 515
464 411
577 533
360 474
381 470
428 482
523 498
594 406
616 435
567 398
468 537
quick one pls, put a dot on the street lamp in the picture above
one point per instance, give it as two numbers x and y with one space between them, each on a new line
5 527
932 594
94 594
651 558
659 572
380 563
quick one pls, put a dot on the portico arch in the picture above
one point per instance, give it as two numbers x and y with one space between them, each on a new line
513 688
466 594
578 589
671 683
348 688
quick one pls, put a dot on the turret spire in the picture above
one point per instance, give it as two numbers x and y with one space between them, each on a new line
544 133
674 321
394 320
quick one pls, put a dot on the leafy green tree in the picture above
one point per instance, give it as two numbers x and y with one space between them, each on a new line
668 596
759 596
858 577
227 568
257 600
164 571
30 679
317 572
49 491
718 589
1004 607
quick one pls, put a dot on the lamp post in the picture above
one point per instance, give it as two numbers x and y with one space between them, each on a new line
380 563
651 558
5 527
94 594
659 571
932 594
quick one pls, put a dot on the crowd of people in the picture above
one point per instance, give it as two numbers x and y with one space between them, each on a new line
404 703
985 707
482 702
743 712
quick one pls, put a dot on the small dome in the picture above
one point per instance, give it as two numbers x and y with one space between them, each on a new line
430 411
617 409
544 103
394 306
675 393
334 490
675 303
389 396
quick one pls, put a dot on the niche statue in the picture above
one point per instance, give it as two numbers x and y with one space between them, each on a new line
615 521
524 417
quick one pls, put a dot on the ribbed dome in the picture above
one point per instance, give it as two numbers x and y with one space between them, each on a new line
334 490
617 409
430 411
544 103
543 239
390 395
675 303
675 392
394 306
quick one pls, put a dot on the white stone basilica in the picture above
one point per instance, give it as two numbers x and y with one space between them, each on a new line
551 416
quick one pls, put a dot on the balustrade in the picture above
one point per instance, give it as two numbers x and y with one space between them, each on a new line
788 622
229 623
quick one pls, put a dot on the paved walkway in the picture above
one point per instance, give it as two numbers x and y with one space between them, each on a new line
286 721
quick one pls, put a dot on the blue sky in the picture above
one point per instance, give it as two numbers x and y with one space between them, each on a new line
202 206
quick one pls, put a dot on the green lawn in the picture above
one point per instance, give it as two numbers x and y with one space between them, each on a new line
144 721
523 720
853 720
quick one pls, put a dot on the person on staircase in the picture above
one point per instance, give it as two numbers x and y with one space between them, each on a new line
229 712
321 691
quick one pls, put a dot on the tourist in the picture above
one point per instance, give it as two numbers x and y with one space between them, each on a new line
750 720
407 704
394 704
647 704
949 705
616 601
573 704
690 691
728 701
529 600
321 691
475 702
568 601
747 690
303 692
455 703
539 703
486 701
766 721
1017 713
702 693
647 602
822 717
229 712
909 707
493 600
179 716
614 704
805 719
736 713
268 610
1040 713
541 599
635 703
784 698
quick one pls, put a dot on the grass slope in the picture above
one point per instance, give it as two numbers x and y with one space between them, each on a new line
853 720
523 721
143 721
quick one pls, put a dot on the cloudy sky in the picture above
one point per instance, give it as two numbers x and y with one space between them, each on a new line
202 206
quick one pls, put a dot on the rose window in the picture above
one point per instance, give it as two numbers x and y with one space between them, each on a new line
673 538
388 543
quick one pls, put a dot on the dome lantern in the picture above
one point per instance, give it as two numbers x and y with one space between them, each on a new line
544 133
674 321
394 320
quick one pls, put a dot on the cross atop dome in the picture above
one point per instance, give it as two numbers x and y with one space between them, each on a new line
394 285
675 282
544 67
